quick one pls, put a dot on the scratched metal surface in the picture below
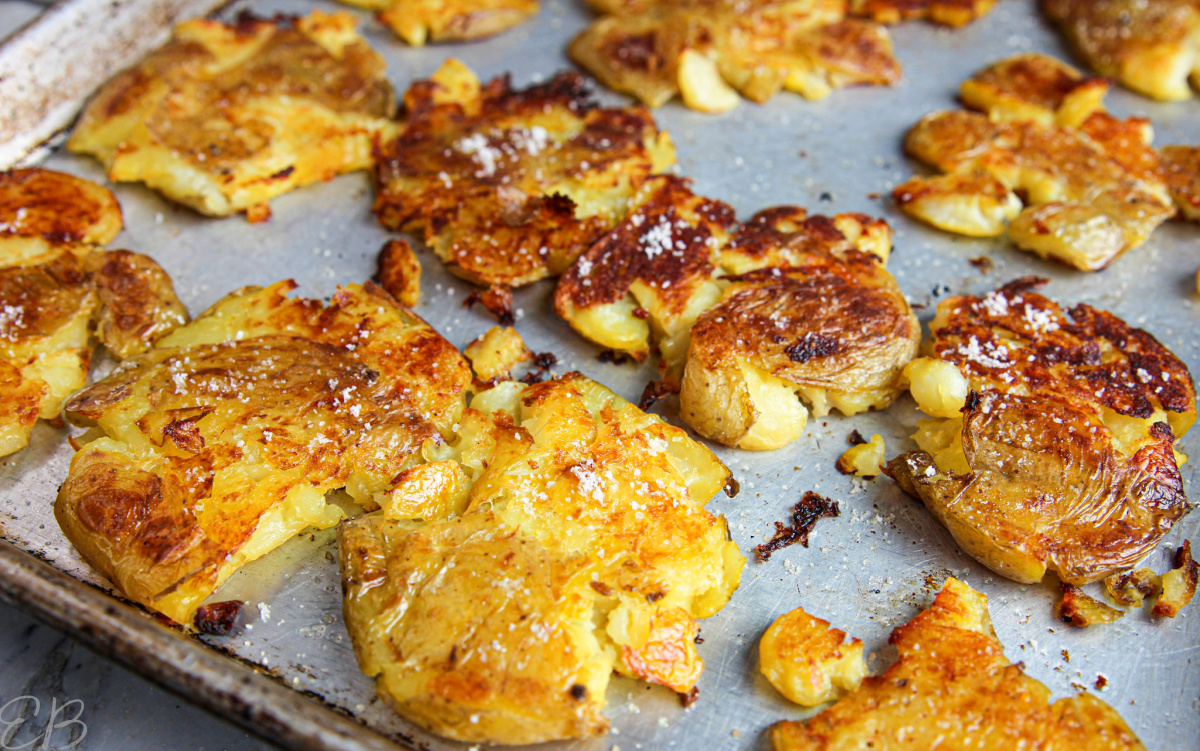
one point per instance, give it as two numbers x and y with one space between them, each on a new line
866 571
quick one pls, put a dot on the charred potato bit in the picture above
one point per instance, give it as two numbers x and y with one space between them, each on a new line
1178 584
1082 196
574 543
400 272
58 291
1133 588
1063 454
220 444
227 116
508 185
494 355
1034 87
945 12
953 687
864 460
421 21
809 315
1151 47
710 51
808 661
1081 610
1181 170
651 275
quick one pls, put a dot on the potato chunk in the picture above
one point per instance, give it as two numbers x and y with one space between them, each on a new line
808 661
1181 169
421 21
225 117
709 52
1151 47
581 547
1063 455
220 444
59 292
510 185
496 353
865 459
1082 610
952 687
1034 87
400 272
1178 584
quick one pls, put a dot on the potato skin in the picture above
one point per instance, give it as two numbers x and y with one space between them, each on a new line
225 117
953 686
220 443
583 547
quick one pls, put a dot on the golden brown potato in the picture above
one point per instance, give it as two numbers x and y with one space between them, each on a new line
508 185
221 443
580 546
708 51
1178 584
494 355
865 460
808 661
1181 170
227 116
952 687
1034 87
1133 588
421 21
1151 47
400 272
945 12
1089 193
1063 455
57 289
1081 610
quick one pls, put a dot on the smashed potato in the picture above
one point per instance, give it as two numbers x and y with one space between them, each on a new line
953 687
1082 610
580 545
1082 196
1063 455
808 661
59 291
1151 47
1181 170
227 116
944 12
509 185
709 51
1034 87
421 21
221 443
494 355
1178 584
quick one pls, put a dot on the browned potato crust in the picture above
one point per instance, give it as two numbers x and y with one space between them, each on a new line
1151 46
220 443
57 206
1063 457
400 272
509 185
575 543
421 21
707 49
225 117
953 687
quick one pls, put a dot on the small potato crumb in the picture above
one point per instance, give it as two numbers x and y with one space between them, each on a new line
1178 584
864 460
807 661
496 353
1079 609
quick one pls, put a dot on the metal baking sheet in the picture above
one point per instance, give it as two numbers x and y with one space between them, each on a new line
868 570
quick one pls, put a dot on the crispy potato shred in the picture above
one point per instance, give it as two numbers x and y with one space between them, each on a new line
1041 160
753 320
509 186
809 661
1151 47
421 21
60 291
221 443
1051 443
953 687
225 117
560 536
712 52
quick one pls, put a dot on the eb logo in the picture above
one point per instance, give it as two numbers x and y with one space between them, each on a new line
23 725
